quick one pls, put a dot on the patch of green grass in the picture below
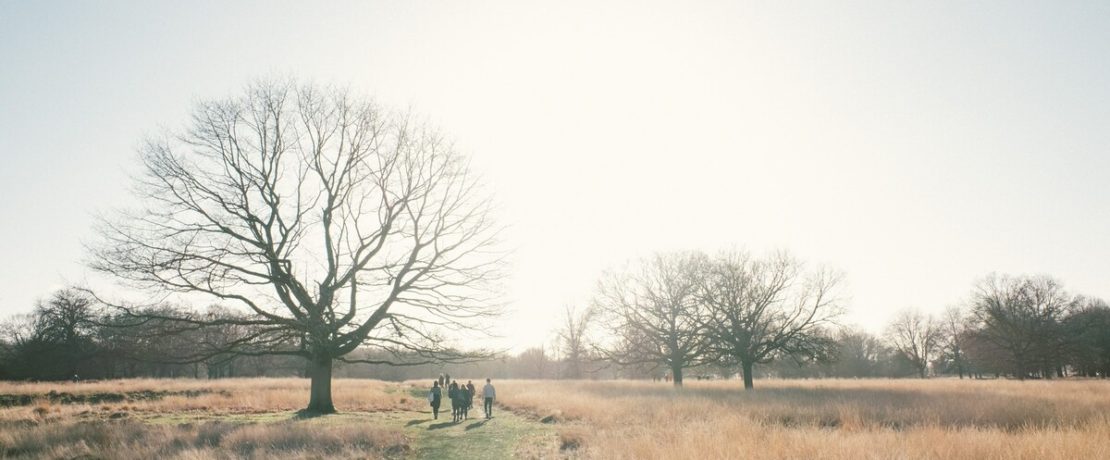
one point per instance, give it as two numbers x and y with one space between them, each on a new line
419 392
500 437
178 418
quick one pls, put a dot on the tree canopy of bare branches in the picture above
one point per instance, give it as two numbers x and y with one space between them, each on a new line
917 337
54 340
1022 316
760 309
331 222
573 341
1089 330
654 314
954 332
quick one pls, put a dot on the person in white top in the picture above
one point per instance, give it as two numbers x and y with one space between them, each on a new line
489 393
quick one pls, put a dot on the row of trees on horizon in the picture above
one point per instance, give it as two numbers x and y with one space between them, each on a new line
665 325
683 310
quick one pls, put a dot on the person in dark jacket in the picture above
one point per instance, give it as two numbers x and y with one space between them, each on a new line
456 401
434 398
469 396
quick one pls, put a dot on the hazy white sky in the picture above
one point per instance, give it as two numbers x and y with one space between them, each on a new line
916 147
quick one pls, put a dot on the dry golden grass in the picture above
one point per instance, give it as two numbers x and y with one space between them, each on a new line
208 396
834 419
821 419
173 419
212 440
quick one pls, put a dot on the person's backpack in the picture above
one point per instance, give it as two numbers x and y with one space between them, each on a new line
431 396
451 393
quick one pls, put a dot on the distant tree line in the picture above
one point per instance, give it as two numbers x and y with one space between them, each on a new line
676 315
1016 326
71 335
771 316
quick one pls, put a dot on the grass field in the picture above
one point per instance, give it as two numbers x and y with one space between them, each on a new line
836 419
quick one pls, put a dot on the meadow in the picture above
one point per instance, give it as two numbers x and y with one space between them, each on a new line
832 419
826 419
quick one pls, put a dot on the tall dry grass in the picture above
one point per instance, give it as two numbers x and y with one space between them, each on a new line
821 419
213 440
833 419
61 422
209 396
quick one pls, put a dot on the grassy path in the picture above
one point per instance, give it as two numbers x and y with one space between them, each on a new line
506 435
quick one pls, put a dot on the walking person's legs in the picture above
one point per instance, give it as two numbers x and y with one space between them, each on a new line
489 407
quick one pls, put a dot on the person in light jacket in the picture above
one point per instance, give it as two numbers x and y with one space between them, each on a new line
435 397
488 394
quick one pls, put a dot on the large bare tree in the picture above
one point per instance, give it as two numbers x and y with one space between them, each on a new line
954 330
917 337
1021 316
654 314
66 319
331 222
760 309
572 339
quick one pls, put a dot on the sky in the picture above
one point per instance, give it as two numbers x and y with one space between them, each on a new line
914 146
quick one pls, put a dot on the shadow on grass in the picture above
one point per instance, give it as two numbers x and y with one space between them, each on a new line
416 422
305 414
475 425
436 426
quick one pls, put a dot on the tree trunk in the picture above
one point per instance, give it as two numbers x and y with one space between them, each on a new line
748 377
921 370
319 402
676 375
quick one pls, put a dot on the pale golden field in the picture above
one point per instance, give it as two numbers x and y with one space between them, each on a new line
835 419
198 419
831 419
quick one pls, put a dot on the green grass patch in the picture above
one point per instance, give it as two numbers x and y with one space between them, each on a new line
501 437
178 418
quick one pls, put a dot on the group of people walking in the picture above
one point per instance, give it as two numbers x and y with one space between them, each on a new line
461 397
